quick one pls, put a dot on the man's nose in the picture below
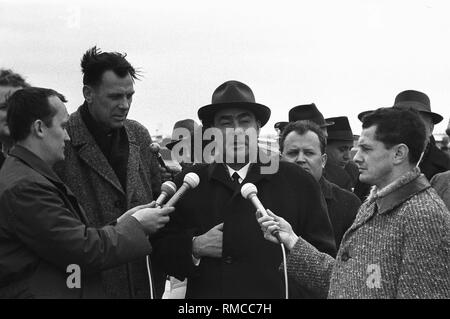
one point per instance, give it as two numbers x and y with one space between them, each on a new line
125 104
300 158
357 158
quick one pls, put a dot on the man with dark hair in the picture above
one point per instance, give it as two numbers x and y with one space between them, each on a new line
9 83
399 244
44 233
213 239
109 163
434 160
304 144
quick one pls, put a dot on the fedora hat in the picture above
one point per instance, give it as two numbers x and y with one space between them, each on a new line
188 124
308 112
341 130
280 125
362 114
418 101
233 94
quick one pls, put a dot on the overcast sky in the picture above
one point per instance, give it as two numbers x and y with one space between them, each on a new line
346 56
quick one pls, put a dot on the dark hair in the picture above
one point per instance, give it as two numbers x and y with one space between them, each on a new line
28 105
395 126
95 62
301 128
10 78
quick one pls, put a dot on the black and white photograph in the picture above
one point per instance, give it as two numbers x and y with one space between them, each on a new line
226 154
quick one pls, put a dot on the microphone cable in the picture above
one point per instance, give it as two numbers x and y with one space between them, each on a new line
286 284
150 277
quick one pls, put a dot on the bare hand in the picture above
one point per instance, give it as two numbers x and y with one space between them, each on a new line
273 223
135 209
153 219
209 244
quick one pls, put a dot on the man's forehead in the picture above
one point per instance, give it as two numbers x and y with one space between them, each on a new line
307 140
111 81
233 112
368 135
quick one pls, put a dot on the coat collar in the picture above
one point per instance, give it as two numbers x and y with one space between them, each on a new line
385 200
82 135
35 162
399 191
91 154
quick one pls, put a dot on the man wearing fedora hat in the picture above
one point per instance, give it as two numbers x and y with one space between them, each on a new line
213 239
305 144
310 112
434 160
340 144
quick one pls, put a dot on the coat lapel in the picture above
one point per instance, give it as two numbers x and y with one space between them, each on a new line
89 151
133 163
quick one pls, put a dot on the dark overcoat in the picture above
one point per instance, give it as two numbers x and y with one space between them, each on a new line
249 264
434 161
43 230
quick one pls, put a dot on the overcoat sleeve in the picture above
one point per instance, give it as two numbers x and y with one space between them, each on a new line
41 220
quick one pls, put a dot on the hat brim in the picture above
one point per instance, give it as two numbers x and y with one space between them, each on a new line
327 123
262 113
340 136
436 118
171 144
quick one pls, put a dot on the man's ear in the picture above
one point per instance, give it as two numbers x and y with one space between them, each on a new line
88 93
401 153
324 159
37 128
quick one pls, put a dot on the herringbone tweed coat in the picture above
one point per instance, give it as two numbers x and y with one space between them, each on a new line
88 174
398 247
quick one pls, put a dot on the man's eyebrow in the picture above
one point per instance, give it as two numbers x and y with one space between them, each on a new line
225 117
241 115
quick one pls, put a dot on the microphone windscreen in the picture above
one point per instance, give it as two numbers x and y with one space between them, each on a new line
169 187
191 179
247 189
154 147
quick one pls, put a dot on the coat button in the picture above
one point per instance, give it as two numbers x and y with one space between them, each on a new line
345 256
228 260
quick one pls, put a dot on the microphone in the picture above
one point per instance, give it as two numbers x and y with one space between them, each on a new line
191 180
249 191
168 188
155 147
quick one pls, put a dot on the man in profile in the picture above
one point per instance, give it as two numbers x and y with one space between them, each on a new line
399 244
44 231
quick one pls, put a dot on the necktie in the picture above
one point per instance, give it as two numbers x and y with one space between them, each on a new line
235 177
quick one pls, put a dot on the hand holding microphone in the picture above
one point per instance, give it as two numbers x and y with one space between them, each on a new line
275 228
168 189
